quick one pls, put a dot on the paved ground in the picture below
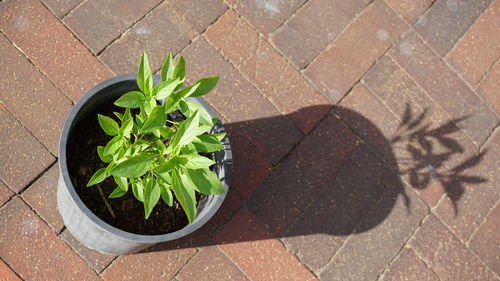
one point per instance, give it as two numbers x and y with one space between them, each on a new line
365 133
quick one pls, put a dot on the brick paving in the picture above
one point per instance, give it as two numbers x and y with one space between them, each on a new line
365 135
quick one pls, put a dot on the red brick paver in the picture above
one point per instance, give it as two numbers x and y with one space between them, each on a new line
408 266
22 157
410 10
254 251
6 273
476 52
445 87
273 76
245 109
27 100
52 47
266 16
488 88
169 28
345 60
475 204
41 196
5 193
96 260
33 250
484 241
447 20
210 264
315 25
96 28
445 255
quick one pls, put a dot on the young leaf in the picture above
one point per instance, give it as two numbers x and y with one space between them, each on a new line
144 74
189 149
167 70
104 158
155 120
119 115
205 181
207 143
98 177
151 196
165 89
126 127
132 99
134 167
109 125
195 161
180 69
186 132
206 85
166 194
174 99
166 132
122 182
113 146
188 107
118 192
138 190
184 192
148 106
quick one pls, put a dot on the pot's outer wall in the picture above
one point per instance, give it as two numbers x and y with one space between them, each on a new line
91 230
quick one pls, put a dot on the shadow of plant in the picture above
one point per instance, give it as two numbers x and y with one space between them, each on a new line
421 141
342 178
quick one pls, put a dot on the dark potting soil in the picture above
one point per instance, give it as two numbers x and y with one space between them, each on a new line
83 162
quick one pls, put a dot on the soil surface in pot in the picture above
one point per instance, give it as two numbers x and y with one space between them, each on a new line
83 162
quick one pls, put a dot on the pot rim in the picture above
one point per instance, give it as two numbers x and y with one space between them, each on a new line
215 201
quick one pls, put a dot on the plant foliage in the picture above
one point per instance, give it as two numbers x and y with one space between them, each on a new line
157 157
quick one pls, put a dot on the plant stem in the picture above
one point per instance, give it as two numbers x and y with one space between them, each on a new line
108 206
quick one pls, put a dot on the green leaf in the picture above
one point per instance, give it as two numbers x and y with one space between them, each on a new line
148 106
206 85
113 145
151 196
166 132
195 161
174 99
166 166
205 181
138 190
119 115
133 167
166 194
167 70
155 120
127 127
144 81
180 69
186 132
98 177
184 192
109 125
122 182
165 89
189 107
207 143
132 99
189 149
118 192
104 158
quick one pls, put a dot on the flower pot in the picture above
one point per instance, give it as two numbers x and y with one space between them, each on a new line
92 231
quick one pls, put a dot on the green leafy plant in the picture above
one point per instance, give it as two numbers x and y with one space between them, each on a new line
157 157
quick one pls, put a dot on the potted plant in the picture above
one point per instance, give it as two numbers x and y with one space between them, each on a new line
157 169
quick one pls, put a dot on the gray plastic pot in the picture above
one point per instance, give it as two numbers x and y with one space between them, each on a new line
90 230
